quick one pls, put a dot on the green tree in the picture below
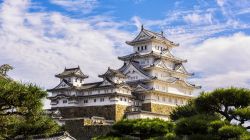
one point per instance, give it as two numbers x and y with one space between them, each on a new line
143 128
21 110
187 110
231 103
210 115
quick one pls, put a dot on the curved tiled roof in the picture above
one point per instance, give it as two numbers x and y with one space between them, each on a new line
72 72
150 35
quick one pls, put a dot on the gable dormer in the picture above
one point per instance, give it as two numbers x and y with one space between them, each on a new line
147 41
114 75
73 76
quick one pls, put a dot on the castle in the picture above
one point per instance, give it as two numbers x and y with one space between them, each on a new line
150 84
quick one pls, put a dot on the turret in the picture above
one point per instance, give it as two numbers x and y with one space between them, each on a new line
73 76
113 75
148 41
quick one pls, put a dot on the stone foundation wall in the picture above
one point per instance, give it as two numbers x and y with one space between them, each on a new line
80 132
120 111
157 108
109 112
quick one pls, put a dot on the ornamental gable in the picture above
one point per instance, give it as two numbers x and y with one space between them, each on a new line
142 36
134 74
105 83
180 68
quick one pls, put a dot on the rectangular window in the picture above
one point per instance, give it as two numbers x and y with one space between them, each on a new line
163 88
101 99
89 93
170 99
138 48
145 47
94 100
65 101
85 101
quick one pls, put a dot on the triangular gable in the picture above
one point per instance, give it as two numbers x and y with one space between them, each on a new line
181 69
142 36
105 83
134 73
139 87
184 83
125 87
167 53
63 84
160 64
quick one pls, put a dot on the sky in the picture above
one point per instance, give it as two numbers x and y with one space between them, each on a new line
40 38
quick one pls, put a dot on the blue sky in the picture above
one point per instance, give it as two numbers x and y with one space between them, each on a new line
40 38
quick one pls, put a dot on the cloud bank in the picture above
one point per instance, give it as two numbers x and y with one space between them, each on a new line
40 44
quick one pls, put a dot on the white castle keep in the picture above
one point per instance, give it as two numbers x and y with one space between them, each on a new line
150 84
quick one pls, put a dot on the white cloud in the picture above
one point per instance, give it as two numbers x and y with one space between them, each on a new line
220 62
220 2
40 44
196 18
85 6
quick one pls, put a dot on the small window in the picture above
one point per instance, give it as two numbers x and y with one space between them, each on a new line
65 101
76 80
89 93
141 47
170 100
138 48
163 99
120 99
94 100
125 99
175 101
145 47
102 99
85 101
80 80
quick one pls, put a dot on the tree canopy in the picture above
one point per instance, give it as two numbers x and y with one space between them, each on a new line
21 112
213 115
141 129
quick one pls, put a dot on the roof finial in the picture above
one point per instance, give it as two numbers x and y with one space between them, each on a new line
142 27
161 32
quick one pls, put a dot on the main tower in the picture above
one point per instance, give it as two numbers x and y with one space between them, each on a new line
158 77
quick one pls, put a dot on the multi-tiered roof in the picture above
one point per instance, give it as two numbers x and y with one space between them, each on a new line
146 36
72 72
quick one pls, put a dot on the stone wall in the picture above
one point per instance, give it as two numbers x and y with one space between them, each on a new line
157 108
120 111
80 132
109 112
